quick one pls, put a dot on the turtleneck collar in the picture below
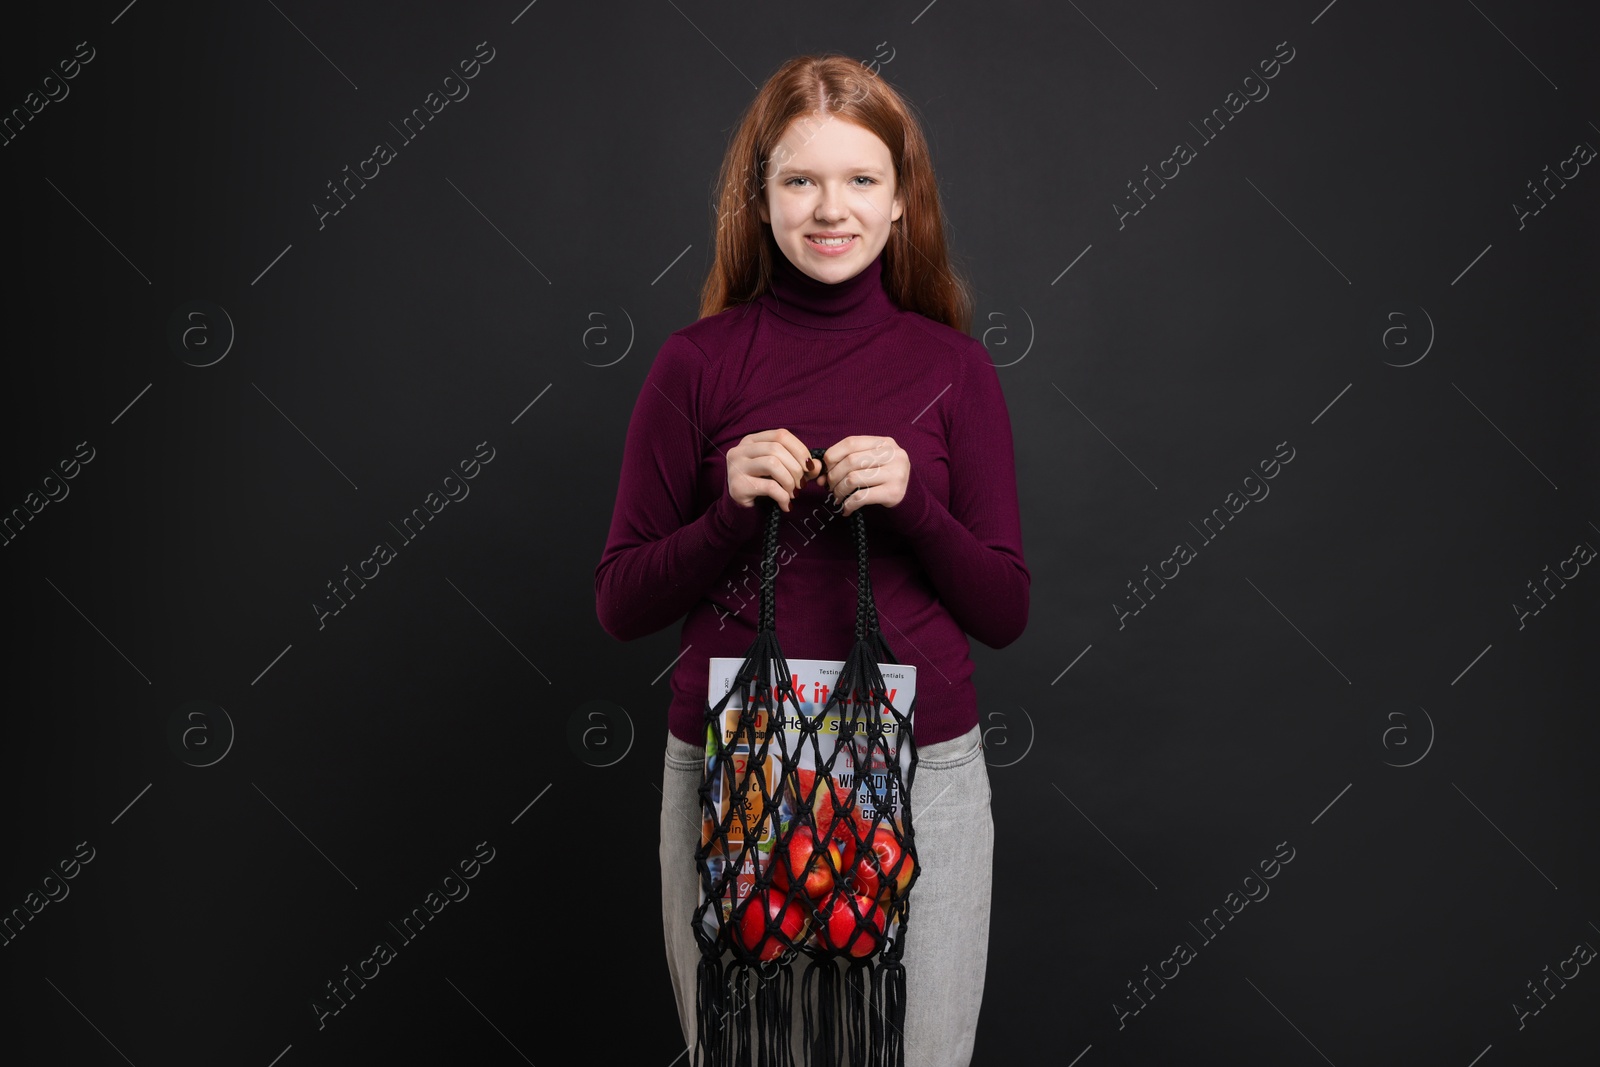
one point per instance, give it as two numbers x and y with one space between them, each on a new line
800 299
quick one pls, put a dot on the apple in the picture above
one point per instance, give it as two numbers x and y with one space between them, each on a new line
838 816
848 834
771 909
887 859
841 931
862 880
844 841
807 859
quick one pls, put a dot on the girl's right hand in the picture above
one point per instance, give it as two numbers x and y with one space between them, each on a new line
770 463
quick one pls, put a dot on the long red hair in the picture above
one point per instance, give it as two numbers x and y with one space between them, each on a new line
916 265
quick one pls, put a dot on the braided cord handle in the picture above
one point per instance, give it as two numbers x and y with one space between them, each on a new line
866 607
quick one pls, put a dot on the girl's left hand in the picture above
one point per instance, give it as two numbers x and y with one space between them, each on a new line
865 470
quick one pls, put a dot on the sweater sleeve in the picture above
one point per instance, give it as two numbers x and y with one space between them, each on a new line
660 557
972 550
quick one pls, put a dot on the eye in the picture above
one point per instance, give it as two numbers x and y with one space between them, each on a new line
859 177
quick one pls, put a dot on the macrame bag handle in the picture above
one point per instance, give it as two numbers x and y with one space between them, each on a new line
866 608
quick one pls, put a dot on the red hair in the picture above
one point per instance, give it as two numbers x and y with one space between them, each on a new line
916 266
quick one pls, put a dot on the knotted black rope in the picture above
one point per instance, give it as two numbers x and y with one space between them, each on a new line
857 864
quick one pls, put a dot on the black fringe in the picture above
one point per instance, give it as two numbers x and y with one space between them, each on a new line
854 1019
889 1018
856 1008
822 1040
774 1003
744 1010
708 1009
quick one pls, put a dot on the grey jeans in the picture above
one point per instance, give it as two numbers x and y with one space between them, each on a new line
947 934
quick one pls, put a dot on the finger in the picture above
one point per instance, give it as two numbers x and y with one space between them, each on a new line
854 501
776 491
781 459
838 451
798 451
775 442
779 466
835 462
882 450
761 485
871 451
848 475
794 456
849 454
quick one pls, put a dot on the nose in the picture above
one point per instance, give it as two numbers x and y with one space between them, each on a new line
832 206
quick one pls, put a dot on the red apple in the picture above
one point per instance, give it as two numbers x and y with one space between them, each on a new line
806 859
840 929
774 909
862 878
889 861
844 841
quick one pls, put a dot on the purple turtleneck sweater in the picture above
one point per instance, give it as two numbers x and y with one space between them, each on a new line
824 362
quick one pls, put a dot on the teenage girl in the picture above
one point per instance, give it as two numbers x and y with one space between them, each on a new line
831 318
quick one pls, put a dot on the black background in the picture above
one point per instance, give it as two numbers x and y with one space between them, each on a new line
558 217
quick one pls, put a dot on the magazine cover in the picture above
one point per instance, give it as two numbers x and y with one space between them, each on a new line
813 682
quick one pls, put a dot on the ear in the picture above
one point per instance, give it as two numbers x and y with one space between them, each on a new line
898 209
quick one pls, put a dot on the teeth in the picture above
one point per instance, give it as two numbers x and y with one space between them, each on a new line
832 240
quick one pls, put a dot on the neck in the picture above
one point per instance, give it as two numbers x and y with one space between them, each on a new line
851 304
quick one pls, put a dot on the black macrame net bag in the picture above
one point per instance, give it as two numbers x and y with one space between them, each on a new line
853 988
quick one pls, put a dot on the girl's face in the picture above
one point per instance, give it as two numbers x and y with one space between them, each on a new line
830 178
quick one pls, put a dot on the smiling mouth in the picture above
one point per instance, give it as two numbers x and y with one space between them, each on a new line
831 242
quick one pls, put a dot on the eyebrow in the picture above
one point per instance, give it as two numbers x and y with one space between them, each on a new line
874 171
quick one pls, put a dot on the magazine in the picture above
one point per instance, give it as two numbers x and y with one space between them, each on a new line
873 787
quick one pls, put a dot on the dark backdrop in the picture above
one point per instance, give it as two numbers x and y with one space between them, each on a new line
1354 270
